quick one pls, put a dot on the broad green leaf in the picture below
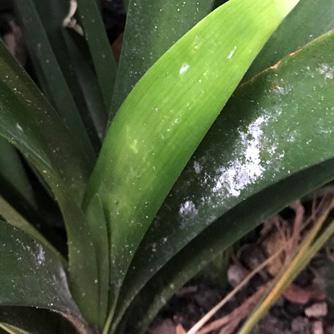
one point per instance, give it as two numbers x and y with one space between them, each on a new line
148 143
30 123
100 49
76 66
277 125
307 21
32 275
152 27
50 76
223 233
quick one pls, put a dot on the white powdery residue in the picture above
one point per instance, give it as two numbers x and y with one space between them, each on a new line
247 169
40 256
230 55
184 68
197 167
188 208
326 70
18 126
282 90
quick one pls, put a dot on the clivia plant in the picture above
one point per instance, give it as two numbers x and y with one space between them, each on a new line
151 194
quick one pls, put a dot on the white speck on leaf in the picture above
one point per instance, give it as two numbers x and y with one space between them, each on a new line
230 55
326 70
188 208
185 67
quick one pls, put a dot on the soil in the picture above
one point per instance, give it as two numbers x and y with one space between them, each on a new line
303 308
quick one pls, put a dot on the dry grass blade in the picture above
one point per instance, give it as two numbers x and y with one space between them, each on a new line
214 310
303 255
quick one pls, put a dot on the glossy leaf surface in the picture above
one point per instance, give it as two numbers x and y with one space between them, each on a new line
148 143
152 27
76 66
30 123
272 128
100 49
50 75
223 233
307 21
32 275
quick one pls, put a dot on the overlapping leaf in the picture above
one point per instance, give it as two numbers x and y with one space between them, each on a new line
277 125
32 275
50 75
148 143
30 123
152 27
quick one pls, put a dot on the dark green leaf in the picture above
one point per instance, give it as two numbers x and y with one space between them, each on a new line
12 173
14 218
100 49
98 224
50 75
32 275
35 321
224 232
307 21
74 60
29 122
275 126
152 27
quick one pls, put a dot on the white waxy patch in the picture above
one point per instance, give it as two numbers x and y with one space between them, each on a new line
184 68
197 167
326 70
40 256
188 208
18 126
246 169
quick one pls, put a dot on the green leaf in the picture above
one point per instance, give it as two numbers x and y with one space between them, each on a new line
148 143
74 60
32 275
15 219
12 173
276 125
98 224
307 21
29 122
50 75
100 49
148 34
35 321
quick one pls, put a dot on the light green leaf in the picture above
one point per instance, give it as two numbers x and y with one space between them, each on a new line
149 141
148 34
